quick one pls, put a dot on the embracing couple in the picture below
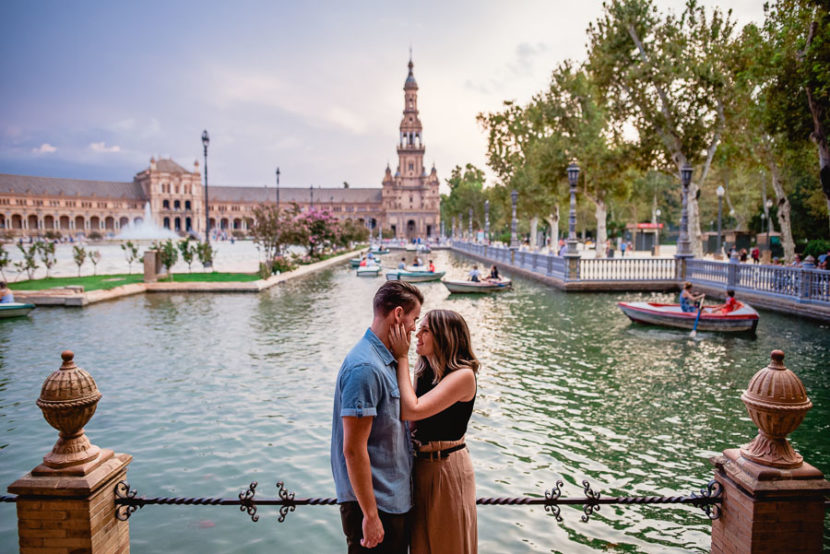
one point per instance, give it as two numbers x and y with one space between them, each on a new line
402 470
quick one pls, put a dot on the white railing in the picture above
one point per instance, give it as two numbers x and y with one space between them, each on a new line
796 283
628 269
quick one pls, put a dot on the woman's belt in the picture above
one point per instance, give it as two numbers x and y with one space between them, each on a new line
439 454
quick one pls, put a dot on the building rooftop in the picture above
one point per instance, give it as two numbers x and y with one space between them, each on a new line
55 186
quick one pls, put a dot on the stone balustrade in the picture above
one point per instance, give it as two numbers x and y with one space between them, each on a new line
773 501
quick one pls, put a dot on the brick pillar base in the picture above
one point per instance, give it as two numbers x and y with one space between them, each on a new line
767 509
68 511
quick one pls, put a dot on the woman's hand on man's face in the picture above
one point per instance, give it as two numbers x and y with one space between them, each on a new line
399 341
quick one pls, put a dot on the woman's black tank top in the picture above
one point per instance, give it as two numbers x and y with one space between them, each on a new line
449 425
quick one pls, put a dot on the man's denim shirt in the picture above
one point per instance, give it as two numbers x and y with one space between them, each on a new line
367 385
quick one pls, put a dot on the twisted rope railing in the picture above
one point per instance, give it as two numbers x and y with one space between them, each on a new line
707 499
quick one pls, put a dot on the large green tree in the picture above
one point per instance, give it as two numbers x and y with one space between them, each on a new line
665 76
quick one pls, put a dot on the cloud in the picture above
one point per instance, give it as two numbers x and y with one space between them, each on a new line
44 148
102 147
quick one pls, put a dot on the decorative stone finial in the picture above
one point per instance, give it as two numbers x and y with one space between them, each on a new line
68 400
777 403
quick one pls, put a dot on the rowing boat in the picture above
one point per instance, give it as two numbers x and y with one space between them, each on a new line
414 276
742 319
15 309
479 287
369 270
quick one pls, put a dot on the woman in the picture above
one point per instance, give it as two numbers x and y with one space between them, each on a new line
444 513
494 274
687 299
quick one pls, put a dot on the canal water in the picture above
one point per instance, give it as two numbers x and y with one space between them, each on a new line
210 392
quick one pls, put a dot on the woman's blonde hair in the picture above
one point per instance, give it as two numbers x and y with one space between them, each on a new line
452 348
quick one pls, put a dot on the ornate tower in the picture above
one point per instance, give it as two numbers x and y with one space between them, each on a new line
410 197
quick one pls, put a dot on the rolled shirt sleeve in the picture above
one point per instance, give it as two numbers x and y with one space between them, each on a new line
360 390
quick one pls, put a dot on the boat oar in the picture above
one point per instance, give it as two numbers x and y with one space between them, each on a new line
697 319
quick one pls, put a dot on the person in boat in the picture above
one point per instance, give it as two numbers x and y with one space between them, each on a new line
6 295
729 306
494 274
444 518
431 267
418 262
402 263
475 274
363 261
689 300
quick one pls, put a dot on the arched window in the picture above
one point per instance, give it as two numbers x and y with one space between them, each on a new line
166 222
177 205
165 204
187 204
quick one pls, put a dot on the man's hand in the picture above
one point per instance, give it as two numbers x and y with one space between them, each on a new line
372 532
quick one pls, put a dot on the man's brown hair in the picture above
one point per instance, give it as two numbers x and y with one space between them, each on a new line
396 293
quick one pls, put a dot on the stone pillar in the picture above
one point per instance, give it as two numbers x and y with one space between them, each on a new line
773 501
152 265
67 503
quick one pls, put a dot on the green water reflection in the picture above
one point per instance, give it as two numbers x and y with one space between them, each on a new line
210 392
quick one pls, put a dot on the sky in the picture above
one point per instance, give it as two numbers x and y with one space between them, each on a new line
92 90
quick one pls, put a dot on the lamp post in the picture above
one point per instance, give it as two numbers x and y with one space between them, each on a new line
657 214
683 245
278 189
769 220
471 225
452 231
311 197
514 239
487 222
205 142
573 178
720 192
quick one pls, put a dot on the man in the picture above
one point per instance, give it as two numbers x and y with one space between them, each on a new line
371 453
475 274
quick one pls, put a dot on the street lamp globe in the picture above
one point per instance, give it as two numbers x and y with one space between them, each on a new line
573 173
720 191
205 138
657 212
769 203
686 175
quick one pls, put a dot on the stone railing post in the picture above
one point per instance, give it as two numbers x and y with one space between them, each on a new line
773 501
732 271
67 503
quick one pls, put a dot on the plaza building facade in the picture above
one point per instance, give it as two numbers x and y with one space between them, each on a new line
407 204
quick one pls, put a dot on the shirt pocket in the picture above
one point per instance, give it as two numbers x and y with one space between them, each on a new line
395 402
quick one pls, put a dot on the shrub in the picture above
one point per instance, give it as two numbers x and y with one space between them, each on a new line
168 255
130 253
95 257
816 247
188 252
29 261
282 264
79 255
205 252
47 255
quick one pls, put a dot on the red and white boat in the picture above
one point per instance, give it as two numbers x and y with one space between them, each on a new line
741 320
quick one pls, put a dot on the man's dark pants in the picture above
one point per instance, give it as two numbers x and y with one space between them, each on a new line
395 531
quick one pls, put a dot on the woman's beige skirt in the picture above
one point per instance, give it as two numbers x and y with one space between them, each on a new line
444 516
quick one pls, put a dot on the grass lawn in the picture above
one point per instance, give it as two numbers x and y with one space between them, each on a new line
106 282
